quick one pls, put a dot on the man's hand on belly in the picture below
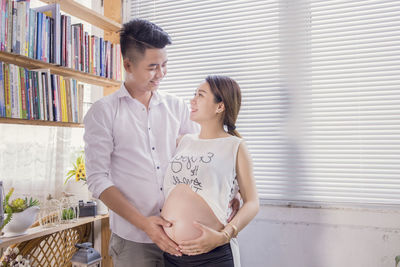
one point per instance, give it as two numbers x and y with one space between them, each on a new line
235 205
156 233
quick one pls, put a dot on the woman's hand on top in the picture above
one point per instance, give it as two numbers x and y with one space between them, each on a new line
208 240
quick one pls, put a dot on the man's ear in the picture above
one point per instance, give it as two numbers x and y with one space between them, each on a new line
127 64
220 107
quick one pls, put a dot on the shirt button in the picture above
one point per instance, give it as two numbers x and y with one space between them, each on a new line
158 167
160 210
153 148
161 188
149 128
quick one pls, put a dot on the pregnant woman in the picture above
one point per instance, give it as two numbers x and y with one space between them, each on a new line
205 174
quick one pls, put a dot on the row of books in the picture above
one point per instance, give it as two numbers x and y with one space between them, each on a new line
43 33
39 95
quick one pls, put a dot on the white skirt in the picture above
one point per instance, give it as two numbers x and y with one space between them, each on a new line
235 252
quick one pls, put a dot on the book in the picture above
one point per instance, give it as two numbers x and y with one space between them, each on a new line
39 19
17 88
46 93
68 40
35 95
53 11
68 99
14 28
9 23
32 31
62 39
30 94
22 95
19 24
80 102
55 97
77 44
2 93
3 25
26 27
73 103
86 52
7 90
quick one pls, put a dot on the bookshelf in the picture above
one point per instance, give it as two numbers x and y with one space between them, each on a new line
110 22
86 14
107 22
31 63
40 122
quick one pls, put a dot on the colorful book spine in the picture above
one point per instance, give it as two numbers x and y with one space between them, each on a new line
9 22
2 93
14 28
7 90
22 88
26 27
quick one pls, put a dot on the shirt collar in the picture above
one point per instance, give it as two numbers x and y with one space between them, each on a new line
156 98
123 92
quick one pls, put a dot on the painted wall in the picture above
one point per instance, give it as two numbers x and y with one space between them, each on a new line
321 237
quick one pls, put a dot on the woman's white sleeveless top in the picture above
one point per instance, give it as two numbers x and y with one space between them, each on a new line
208 166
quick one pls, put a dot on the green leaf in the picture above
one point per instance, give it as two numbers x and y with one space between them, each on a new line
66 180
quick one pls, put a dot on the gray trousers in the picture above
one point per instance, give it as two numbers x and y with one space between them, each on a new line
127 253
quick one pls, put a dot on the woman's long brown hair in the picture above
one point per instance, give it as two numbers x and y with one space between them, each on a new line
227 90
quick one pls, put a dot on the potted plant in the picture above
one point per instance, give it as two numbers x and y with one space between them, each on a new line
79 173
20 214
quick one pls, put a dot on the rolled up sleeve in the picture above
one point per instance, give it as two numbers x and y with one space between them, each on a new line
98 147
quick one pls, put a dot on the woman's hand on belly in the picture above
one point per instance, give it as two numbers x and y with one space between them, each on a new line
208 240
183 208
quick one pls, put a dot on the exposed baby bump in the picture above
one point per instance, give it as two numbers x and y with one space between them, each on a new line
181 208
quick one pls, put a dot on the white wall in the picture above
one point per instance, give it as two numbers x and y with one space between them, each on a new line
321 237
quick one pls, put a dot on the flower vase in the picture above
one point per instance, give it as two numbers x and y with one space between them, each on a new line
79 189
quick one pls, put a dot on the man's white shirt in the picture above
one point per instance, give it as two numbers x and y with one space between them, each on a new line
129 146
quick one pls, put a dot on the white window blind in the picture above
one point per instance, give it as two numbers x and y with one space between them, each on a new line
320 83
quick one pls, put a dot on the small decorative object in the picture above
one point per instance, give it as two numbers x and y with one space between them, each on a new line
69 210
86 256
12 259
79 186
20 214
79 171
87 209
50 213
102 209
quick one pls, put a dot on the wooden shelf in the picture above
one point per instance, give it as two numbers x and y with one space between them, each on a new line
39 231
77 10
31 63
41 123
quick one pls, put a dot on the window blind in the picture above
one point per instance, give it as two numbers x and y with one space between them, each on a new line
320 83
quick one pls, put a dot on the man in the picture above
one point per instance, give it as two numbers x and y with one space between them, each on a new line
130 136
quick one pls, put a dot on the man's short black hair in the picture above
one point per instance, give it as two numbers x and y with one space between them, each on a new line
139 34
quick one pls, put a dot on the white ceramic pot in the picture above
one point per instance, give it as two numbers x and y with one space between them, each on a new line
102 209
21 221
